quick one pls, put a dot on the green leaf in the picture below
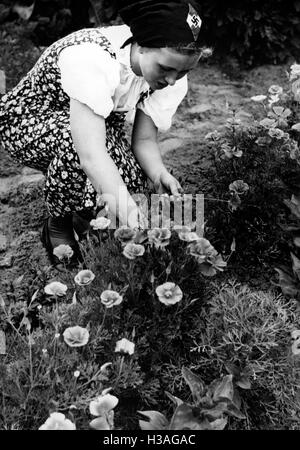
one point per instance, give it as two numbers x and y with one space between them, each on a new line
232 410
218 424
195 383
215 412
287 283
297 241
174 399
157 421
244 383
184 419
296 127
207 270
294 205
24 12
296 265
224 389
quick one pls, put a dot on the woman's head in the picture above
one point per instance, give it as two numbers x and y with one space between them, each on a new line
166 37
158 24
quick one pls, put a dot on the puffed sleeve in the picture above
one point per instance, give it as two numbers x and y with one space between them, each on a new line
162 104
90 75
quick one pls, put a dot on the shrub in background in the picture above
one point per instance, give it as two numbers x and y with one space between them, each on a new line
253 31
256 167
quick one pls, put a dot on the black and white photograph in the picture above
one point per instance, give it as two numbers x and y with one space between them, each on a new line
149 219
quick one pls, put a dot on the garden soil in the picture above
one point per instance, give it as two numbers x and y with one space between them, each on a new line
213 92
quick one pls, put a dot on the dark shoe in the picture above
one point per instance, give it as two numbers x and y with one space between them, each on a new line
81 223
57 231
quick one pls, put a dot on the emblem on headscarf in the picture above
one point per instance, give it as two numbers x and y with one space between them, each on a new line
194 21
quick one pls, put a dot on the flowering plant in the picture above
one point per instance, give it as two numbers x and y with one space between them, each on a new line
63 251
58 421
76 336
56 288
169 293
110 298
84 277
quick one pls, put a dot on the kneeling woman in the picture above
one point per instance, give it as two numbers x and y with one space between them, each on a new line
66 116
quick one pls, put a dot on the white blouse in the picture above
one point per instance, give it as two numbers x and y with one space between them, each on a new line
90 75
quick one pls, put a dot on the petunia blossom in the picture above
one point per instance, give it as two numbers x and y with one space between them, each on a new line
76 336
58 421
63 251
110 298
239 187
125 234
160 237
125 346
103 404
230 152
258 98
294 72
276 133
201 250
275 89
84 277
132 250
100 223
169 293
56 288
188 236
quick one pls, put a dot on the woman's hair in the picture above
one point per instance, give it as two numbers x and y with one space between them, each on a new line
192 49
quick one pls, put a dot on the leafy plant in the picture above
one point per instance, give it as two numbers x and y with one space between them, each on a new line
208 411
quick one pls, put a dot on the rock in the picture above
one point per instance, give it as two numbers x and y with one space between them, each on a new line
3 242
6 261
199 109
170 144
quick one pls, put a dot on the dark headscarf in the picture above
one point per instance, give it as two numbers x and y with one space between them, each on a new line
157 23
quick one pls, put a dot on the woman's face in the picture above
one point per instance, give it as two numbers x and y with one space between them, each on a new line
163 66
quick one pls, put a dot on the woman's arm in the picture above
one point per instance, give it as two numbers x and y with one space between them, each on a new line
89 137
146 150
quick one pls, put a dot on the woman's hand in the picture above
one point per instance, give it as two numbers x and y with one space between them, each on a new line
166 183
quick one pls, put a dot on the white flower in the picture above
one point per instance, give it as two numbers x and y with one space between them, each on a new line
76 373
296 348
125 346
104 367
56 288
84 277
295 335
63 251
160 237
188 236
295 72
110 298
132 250
273 99
100 223
76 336
275 89
58 421
276 133
169 293
103 404
258 98
125 234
